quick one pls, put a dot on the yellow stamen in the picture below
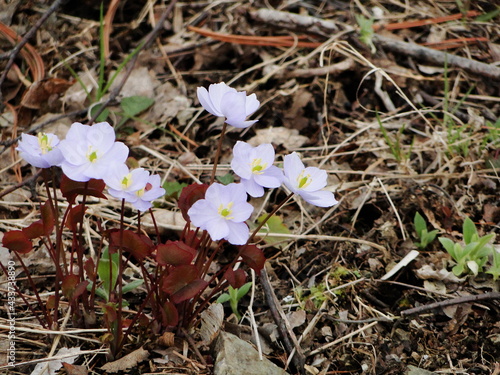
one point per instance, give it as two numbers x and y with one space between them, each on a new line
226 212
44 142
127 181
258 166
303 181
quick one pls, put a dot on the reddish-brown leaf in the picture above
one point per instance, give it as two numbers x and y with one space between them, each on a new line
170 315
189 195
75 216
34 230
89 267
68 286
253 257
178 278
16 240
189 291
174 253
236 278
139 245
71 189
48 217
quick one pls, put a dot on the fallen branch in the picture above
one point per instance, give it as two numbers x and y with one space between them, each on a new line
428 55
451 302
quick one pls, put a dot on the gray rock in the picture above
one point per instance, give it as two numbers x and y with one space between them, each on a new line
236 356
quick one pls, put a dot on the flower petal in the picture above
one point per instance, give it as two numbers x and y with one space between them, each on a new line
238 233
252 104
253 188
218 229
233 107
321 198
205 101
318 178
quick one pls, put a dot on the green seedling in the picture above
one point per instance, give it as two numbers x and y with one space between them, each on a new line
366 31
473 256
234 296
395 145
107 270
424 235
131 106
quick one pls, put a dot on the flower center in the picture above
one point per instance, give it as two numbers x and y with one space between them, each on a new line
91 155
141 192
126 181
258 166
44 142
303 181
226 212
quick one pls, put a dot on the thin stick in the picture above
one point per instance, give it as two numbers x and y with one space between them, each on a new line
451 302
286 333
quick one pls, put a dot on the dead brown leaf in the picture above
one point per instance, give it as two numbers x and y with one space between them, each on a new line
129 361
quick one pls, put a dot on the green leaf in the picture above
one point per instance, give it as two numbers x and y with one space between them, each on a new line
420 224
458 269
104 114
243 290
226 179
133 105
173 189
132 285
488 16
103 269
274 225
449 245
223 298
469 229
432 235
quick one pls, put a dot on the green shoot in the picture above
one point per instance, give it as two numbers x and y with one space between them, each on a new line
234 296
473 256
424 235
366 31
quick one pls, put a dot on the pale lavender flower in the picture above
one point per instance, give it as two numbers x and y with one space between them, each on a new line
150 192
40 151
255 167
91 151
307 182
224 101
123 183
223 213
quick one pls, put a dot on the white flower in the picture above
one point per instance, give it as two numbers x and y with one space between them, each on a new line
40 151
150 192
224 101
123 183
307 182
223 213
136 186
255 167
91 151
